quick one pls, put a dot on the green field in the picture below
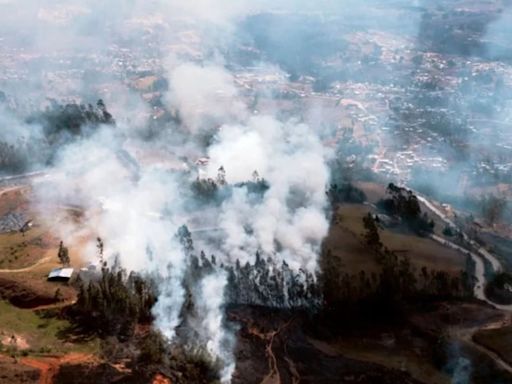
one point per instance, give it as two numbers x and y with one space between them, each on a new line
43 334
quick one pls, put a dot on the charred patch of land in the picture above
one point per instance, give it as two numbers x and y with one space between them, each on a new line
274 347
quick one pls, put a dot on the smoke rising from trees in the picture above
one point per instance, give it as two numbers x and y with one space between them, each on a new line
137 207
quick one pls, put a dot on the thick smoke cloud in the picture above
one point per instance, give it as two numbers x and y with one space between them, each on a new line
292 160
137 205
204 96
138 215
211 323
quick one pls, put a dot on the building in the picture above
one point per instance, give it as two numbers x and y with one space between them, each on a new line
60 274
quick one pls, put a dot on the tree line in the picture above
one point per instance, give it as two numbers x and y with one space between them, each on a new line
404 204
113 304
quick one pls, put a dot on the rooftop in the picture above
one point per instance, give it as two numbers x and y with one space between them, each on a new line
64 273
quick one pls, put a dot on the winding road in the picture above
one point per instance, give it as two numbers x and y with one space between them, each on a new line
477 253
29 268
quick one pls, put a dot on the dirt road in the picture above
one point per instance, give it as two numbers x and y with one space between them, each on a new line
29 268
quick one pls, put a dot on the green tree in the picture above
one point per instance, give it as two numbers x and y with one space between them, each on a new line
371 235
63 254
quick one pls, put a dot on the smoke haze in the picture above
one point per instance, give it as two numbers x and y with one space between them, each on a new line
137 205
253 145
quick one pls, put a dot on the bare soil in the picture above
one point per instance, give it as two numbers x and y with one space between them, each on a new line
49 367
24 293
12 372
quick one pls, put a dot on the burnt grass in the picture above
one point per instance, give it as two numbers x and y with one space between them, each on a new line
295 356
300 345
298 356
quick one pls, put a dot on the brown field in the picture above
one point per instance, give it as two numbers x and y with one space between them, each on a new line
19 250
26 259
345 242
25 284
14 199
374 192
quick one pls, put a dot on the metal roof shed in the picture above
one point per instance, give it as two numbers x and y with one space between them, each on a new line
60 274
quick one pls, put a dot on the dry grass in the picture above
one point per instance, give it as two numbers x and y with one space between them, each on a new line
12 199
345 242
20 251
27 259
374 192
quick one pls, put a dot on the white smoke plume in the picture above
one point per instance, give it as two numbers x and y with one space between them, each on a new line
125 212
204 96
211 327
292 159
